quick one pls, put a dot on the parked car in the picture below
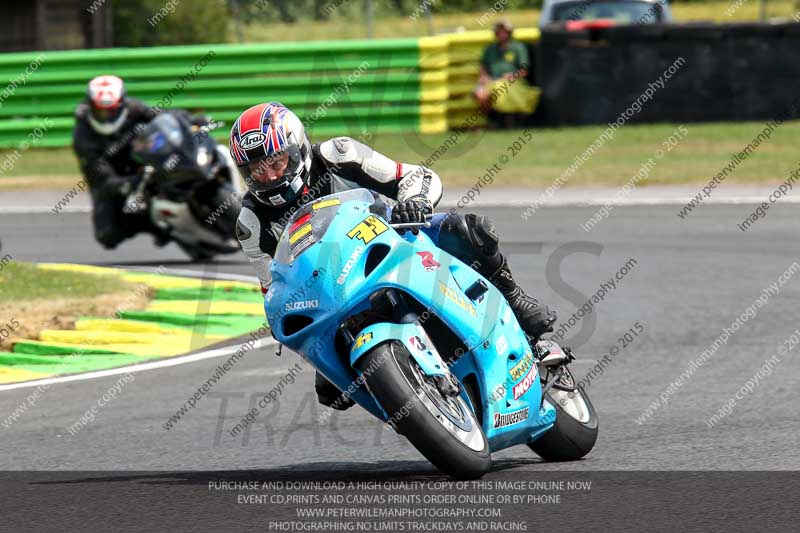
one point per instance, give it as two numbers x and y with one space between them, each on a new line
612 11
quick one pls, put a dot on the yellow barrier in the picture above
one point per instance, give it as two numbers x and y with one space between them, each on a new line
451 64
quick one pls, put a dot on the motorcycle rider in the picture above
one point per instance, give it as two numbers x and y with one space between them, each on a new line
106 123
283 171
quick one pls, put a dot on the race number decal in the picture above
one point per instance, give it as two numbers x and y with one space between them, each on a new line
368 229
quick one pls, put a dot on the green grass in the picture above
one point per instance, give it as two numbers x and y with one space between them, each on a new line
40 161
348 21
717 11
24 282
705 150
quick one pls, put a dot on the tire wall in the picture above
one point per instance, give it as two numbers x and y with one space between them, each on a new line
671 73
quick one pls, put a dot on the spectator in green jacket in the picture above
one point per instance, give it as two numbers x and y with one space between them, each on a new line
505 58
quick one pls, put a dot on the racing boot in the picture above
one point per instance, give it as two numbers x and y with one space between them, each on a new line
161 237
534 318
329 395
474 240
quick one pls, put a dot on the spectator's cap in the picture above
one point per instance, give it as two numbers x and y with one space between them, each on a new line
504 24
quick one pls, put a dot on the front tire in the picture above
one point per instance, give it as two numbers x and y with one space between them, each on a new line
216 206
575 431
443 429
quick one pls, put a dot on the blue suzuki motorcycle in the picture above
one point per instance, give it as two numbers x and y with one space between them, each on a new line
420 340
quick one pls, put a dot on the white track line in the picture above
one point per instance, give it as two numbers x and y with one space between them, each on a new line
186 272
30 210
510 202
173 361
161 363
140 367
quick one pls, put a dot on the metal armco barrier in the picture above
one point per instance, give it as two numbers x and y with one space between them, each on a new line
336 86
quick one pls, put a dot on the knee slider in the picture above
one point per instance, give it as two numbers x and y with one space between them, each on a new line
473 240
454 236
483 233
107 237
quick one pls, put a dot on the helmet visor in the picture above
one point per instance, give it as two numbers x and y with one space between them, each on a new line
272 172
106 114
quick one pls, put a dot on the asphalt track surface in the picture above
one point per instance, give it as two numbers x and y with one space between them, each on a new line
691 278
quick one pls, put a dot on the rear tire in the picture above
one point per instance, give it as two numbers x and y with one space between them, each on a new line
461 451
575 431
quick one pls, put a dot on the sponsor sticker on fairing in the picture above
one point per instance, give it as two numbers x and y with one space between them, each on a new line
509 419
519 369
428 262
302 304
501 345
523 386
417 343
362 340
348 266
322 204
458 299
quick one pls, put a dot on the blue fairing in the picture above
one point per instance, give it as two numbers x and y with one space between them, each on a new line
319 280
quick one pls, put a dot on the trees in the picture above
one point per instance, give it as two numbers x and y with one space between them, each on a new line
166 22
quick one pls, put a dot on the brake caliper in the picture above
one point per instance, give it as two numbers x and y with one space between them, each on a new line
447 385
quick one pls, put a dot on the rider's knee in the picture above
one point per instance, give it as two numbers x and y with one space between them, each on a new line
483 233
472 239
471 231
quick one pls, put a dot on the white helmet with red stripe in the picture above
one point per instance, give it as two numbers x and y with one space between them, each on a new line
108 109
273 152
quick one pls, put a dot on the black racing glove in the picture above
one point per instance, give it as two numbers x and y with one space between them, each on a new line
200 120
411 211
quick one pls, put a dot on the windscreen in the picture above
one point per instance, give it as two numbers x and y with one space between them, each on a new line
161 137
311 221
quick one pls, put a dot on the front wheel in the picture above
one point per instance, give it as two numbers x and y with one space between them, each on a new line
216 206
442 428
575 431
196 252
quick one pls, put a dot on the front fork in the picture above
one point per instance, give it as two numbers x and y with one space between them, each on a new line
408 331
